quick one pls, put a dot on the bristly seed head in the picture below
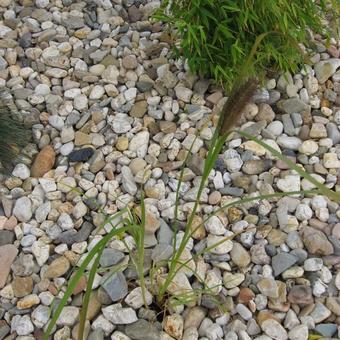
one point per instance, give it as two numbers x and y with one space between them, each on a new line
240 96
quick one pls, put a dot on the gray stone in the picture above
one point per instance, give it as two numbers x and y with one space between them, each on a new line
103 324
326 329
284 80
326 68
118 315
21 171
282 262
128 182
73 22
244 312
41 252
256 128
300 254
275 128
273 329
196 164
259 255
23 209
115 285
333 133
299 332
25 40
55 72
144 86
297 119
68 316
6 237
261 96
72 236
23 265
214 226
110 75
40 316
22 325
232 160
65 221
97 334
120 123
4 329
336 244
320 313
292 105
165 233
214 331
135 299
288 125
292 143
131 273
3 63
42 211
142 330
201 86
238 192
313 264
139 143
111 257
161 252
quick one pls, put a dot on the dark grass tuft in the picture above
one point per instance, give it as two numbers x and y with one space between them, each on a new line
13 134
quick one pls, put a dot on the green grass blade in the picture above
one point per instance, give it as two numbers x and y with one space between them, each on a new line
180 181
238 202
87 295
323 189
260 197
218 142
75 279
141 253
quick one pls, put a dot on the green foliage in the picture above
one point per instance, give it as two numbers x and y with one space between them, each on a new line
217 36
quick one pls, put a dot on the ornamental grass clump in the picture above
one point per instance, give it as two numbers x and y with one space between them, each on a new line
216 36
161 282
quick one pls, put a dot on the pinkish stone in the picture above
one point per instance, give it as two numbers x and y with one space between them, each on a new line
8 252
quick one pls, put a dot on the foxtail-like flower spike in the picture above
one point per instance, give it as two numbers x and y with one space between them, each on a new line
232 110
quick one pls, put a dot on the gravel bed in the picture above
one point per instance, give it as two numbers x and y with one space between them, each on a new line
112 112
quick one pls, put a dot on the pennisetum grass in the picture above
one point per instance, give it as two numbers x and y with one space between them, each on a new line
230 114
135 227
134 224
133 221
